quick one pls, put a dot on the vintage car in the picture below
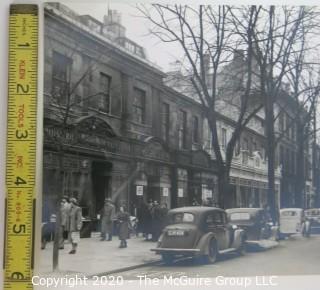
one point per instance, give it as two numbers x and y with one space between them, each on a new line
293 221
313 215
255 222
198 231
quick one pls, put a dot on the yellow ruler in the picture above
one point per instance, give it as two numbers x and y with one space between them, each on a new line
21 147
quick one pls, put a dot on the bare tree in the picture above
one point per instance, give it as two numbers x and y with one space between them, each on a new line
207 38
304 79
275 35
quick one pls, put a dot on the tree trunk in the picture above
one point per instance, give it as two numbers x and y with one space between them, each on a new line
223 187
300 181
270 150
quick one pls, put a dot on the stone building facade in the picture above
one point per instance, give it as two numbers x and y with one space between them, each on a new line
111 127
115 125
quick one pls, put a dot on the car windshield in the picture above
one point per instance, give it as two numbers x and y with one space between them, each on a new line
289 213
183 217
243 216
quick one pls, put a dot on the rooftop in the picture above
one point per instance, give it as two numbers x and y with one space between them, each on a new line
110 30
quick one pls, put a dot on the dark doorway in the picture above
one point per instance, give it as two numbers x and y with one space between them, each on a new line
101 177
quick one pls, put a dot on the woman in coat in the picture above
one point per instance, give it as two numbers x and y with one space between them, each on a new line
123 222
74 224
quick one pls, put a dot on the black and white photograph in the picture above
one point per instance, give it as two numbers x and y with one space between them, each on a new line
180 142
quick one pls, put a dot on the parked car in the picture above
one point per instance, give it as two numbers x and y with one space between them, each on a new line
293 221
313 215
199 231
255 223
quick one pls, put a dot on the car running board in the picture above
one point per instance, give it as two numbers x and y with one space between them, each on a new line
227 251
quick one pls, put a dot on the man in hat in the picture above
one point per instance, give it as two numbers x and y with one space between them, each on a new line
107 217
74 224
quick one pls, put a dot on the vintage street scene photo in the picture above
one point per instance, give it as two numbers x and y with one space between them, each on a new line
180 140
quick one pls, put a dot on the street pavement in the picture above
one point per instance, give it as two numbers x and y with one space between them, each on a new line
294 256
95 257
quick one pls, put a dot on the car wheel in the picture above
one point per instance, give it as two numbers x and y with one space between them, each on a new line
212 251
263 233
167 259
277 236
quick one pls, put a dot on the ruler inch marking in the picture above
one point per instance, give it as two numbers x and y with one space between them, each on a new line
21 147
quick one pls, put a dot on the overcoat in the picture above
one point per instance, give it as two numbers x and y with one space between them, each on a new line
107 217
123 221
64 213
75 219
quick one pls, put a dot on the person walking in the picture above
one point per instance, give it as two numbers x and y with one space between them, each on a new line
107 217
74 224
164 214
143 216
123 224
64 213
156 221
149 220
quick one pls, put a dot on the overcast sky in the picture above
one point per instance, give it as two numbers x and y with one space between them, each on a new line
137 29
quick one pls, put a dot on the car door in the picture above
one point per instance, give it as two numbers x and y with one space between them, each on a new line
214 223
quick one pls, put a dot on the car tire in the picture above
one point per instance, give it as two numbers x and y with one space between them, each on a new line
167 259
277 236
212 256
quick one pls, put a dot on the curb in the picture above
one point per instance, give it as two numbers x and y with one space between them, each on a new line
124 269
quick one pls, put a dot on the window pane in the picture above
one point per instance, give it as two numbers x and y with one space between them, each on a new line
165 121
61 66
139 100
195 129
182 129
105 84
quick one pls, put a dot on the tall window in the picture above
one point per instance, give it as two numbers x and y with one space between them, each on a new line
282 156
105 85
237 148
182 129
245 145
139 105
224 137
281 122
61 67
287 128
195 131
165 121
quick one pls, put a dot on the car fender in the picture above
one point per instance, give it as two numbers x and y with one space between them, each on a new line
160 240
275 231
203 243
239 235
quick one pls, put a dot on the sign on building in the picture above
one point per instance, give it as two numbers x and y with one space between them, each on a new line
139 190
180 192
165 191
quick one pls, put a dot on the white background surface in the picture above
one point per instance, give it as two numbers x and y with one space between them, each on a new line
292 282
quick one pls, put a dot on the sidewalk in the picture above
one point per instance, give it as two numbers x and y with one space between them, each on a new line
96 257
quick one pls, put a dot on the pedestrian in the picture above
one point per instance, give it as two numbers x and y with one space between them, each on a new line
156 221
149 221
74 224
64 213
107 217
195 202
123 224
164 214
